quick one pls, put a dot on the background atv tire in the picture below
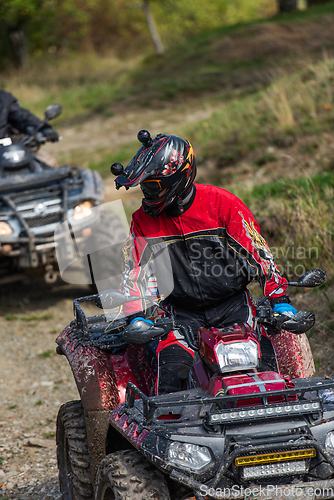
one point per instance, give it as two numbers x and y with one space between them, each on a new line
126 475
72 453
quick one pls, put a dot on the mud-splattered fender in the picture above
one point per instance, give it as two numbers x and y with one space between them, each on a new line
93 373
95 379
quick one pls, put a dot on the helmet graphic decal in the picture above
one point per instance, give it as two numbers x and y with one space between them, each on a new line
176 160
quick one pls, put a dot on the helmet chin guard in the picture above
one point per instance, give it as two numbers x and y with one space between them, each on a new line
165 168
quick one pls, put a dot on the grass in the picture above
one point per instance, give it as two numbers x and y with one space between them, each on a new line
292 106
47 354
31 317
85 83
297 220
49 435
259 99
122 155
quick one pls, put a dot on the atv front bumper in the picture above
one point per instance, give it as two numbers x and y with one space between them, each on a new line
152 424
296 490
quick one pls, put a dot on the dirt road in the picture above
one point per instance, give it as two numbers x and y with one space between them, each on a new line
34 382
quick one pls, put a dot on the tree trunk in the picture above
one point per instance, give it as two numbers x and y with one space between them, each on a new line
20 47
287 5
159 48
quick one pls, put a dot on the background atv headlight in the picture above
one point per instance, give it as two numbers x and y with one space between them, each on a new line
189 455
329 442
5 229
237 355
15 156
83 210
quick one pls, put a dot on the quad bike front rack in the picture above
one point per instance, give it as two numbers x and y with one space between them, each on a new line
301 405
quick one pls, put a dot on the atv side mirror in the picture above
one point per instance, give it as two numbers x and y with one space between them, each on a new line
112 298
53 111
299 323
310 279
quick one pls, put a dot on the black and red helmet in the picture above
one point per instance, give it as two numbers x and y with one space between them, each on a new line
164 167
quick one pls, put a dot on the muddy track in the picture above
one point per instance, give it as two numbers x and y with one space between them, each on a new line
34 382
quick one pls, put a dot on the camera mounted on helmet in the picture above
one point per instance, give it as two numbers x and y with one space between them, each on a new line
164 167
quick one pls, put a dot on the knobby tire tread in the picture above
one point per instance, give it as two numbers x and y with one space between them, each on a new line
72 453
130 476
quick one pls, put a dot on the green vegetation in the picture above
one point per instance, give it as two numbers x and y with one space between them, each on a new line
291 106
49 435
32 317
54 27
258 108
259 100
46 354
297 218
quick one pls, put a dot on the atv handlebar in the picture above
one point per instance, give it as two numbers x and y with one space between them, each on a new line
299 323
35 136
140 332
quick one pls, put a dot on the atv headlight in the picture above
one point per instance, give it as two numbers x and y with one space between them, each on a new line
15 156
5 229
83 210
329 442
189 455
237 355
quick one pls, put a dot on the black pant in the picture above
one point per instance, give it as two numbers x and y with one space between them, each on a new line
175 360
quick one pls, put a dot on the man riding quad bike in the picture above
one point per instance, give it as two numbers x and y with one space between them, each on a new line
215 247
176 403
36 199
14 118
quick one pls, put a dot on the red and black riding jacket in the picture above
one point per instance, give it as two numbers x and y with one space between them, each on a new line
210 252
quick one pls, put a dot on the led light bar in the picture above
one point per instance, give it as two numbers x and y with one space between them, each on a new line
275 457
280 410
278 469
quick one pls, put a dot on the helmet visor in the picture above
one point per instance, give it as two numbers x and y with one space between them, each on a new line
152 188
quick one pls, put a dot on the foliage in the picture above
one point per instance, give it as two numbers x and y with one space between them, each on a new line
55 25
183 19
36 18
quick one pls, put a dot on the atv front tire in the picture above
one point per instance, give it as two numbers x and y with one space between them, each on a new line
72 453
126 475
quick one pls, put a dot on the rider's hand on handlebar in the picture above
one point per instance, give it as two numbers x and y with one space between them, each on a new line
50 133
142 319
285 308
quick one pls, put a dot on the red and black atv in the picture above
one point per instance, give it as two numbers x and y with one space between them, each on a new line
238 428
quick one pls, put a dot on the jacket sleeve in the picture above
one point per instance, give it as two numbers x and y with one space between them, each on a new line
138 273
245 238
20 118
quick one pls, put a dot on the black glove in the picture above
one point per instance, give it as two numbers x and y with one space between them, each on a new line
50 133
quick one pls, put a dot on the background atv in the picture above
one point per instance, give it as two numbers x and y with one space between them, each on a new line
236 424
35 198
